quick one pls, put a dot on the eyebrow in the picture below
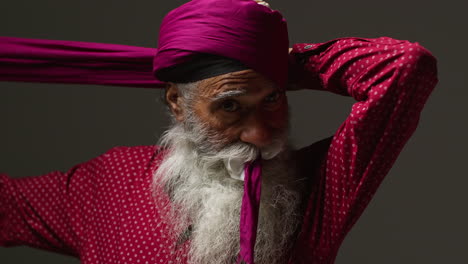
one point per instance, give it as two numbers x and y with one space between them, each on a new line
228 94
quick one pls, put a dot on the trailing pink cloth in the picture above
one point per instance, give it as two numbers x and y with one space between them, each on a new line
56 61
250 210
238 29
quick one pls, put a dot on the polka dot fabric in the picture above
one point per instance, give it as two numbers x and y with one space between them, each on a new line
103 211
391 81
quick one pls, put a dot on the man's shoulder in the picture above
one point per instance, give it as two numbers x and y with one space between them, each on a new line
316 149
129 159
309 159
139 151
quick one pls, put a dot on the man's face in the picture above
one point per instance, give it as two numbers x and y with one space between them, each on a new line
240 106
224 122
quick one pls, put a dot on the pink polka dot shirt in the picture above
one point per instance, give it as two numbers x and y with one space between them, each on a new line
103 211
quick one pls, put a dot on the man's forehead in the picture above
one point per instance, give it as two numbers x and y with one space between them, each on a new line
234 84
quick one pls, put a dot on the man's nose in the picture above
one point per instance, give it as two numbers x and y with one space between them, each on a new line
256 132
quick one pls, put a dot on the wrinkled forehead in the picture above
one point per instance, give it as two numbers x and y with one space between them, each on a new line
236 83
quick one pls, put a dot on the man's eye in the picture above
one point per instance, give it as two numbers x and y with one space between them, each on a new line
272 98
230 106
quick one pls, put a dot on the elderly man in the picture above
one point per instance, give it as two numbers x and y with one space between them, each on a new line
224 186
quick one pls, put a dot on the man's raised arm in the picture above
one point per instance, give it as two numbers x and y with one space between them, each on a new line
391 81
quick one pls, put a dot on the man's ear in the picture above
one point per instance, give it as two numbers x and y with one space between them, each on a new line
174 101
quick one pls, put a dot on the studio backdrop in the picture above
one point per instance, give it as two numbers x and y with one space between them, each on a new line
419 213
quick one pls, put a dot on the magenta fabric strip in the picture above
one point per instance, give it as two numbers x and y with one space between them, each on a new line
55 61
238 29
250 211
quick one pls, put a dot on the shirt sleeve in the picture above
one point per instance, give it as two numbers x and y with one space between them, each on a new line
391 81
48 211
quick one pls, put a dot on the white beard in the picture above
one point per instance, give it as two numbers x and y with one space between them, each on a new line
204 196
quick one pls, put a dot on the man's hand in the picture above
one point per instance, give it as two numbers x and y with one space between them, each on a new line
300 78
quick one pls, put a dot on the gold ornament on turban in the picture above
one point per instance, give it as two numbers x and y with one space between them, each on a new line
262 3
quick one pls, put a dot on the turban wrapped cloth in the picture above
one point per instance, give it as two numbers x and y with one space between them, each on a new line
241 30
242 33
237 29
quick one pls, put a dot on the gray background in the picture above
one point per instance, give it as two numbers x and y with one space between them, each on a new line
419 215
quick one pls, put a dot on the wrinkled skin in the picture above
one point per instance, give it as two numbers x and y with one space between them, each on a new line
239 106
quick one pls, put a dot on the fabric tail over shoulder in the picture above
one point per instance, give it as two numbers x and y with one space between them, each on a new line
250 211
56 61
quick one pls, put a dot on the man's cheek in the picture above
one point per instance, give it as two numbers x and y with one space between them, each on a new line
228 136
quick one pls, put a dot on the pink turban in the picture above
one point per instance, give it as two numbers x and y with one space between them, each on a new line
237 29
